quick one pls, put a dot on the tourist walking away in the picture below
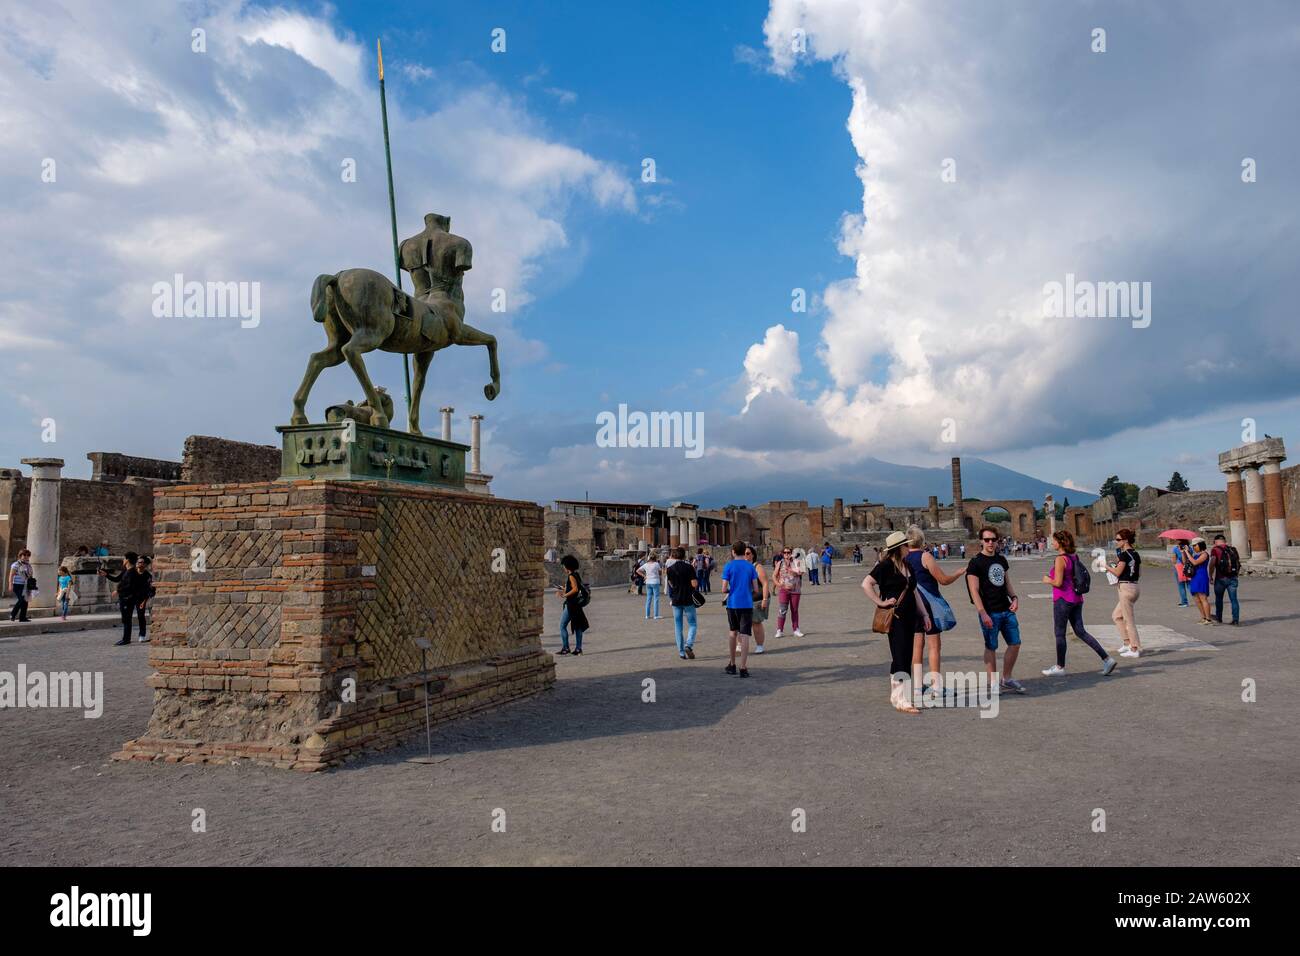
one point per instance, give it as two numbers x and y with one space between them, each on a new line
683 582
703 565
789 584
1070 581
132 593
828 554
1180 573
20 574
762 593
575 596
988 583
857 554
650 574
738 577
810 562
1225 565
65 590
1196 565
1126 570
929 576
891 584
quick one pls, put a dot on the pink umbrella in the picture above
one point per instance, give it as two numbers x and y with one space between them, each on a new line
1179 534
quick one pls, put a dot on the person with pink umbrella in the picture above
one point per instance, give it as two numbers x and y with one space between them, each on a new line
1177 536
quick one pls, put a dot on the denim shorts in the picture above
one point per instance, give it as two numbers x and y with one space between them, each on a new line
1004 621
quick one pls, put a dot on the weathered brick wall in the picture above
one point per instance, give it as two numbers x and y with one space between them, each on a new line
15 496
1291 499
114 466
596 574
91 511
272 596
219 460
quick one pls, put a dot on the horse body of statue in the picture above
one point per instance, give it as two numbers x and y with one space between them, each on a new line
362 311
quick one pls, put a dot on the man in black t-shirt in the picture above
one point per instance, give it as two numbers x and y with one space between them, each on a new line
682 583
988 579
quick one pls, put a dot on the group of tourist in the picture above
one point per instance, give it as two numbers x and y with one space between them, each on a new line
1197 568
134 588
907 580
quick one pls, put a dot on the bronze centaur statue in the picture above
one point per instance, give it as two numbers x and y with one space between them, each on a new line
362 311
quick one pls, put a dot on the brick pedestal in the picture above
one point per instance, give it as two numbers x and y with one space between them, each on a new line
286 612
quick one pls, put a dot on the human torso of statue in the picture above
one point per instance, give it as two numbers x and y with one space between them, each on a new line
437 262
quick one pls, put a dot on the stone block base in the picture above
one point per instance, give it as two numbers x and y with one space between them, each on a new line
388 717
287 614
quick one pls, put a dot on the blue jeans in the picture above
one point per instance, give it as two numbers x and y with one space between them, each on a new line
564 631
687 612
703 578
652 597
1229 585
1004 622
1182 593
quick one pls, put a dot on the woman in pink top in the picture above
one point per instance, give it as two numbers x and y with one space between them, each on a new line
789 584
1067 606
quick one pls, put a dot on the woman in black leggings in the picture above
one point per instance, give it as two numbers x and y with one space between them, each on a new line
1067 606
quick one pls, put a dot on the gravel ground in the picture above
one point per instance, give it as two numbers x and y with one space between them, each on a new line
711 772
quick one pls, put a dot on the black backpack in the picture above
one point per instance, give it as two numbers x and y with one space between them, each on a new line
1228 563
584 594
1082 578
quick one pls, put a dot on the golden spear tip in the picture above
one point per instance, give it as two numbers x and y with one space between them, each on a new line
380 47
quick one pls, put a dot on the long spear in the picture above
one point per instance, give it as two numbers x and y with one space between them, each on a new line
392 213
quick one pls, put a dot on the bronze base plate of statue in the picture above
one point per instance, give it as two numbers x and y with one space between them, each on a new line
352 451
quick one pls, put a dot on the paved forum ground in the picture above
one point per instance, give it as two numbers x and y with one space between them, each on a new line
1187 773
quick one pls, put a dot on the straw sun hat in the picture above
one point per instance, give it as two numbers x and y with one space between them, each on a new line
895 539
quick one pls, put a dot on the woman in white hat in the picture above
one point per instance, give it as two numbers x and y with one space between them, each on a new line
891 583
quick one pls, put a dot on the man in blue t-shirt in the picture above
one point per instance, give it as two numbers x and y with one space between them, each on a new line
738 579
827 553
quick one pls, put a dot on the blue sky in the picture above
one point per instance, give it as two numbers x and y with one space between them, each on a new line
776 170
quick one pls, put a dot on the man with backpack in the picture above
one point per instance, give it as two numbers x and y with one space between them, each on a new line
1225 565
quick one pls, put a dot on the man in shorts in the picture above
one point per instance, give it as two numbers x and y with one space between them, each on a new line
738 577
988 579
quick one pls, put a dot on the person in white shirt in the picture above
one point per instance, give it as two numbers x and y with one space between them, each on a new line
650 573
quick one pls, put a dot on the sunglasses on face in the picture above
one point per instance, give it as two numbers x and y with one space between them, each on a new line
989 540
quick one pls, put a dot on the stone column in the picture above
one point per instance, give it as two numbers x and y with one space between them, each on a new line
1237 513
1049 512
1274 506
475 444
837 514
446 422
43 528
674 531
1256 527
934 511
693 538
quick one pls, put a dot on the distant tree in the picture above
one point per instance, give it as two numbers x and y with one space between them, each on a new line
1178 483
1124 492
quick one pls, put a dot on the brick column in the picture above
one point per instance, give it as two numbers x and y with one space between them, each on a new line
934 511
674 531
1256 527
1274 505
1237 513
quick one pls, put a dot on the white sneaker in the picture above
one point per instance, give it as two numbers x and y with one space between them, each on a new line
778 633
798 633
1054 671
758 649
1134 654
